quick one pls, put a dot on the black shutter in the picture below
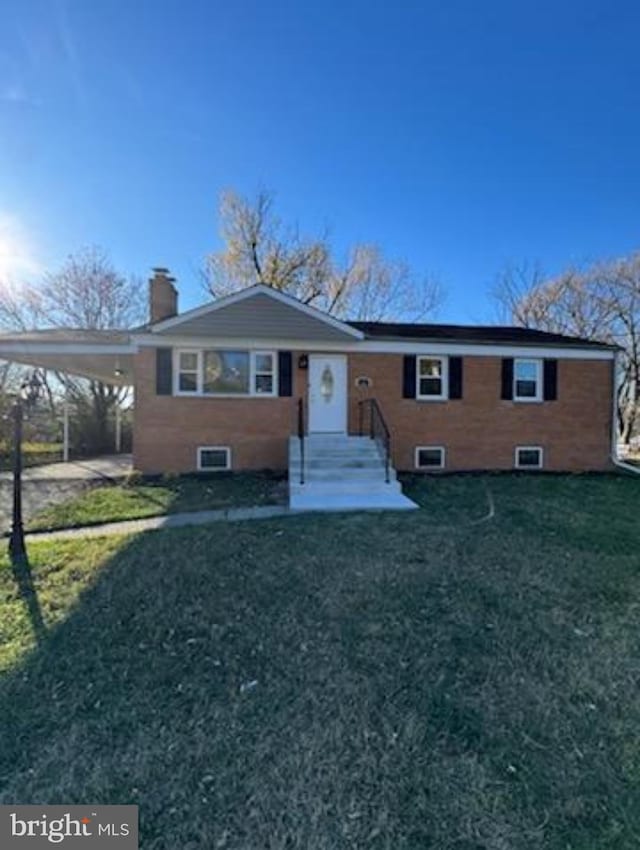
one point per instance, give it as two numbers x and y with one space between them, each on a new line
550 380
409 376
284 373
455 377
164 371
507 378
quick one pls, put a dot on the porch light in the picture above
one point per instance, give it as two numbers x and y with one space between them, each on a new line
30 389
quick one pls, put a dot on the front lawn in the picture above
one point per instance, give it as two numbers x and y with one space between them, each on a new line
436 679
168 495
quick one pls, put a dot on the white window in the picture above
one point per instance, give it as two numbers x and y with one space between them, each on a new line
527 380
430 457
264 373
214 458
529 457
225 372
188 371
432 378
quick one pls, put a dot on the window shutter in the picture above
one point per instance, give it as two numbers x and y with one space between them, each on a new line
550 380
164 371
507 378
409 376
284 373
455 377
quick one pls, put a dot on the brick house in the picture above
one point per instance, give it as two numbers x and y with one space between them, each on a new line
259 380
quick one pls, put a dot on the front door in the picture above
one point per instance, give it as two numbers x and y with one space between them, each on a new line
327 393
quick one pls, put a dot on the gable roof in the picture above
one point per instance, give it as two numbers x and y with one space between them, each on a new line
476 334
260 312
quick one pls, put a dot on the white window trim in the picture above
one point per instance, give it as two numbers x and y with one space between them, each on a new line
444 395
539 378
199 393
253 372
177 371
526 466
225 449
443 457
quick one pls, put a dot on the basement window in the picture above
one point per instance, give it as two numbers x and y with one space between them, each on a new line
529 457
429 457
214 458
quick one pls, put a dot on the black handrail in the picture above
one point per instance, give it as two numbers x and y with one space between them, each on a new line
301 436
378 429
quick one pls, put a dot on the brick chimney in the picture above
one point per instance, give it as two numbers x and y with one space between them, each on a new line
163 296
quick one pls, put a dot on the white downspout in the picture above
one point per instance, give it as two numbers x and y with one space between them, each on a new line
118 429
614 423
65 427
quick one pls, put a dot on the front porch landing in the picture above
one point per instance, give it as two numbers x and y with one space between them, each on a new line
342 473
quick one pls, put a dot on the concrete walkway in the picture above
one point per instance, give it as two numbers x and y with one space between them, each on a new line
112 467
135 526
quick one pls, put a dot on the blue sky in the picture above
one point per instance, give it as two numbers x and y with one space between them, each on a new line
458 135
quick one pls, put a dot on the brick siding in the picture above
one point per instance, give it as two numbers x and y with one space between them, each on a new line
479 431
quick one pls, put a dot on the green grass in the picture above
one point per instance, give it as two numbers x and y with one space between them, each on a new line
423 680
170 495
33 454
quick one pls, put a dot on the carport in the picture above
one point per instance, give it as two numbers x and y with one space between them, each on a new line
102 355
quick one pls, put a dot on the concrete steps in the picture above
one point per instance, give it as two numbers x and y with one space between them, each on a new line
342 473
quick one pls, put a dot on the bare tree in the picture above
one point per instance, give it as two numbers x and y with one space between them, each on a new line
510 291
260 249
620 284
597 302
85 293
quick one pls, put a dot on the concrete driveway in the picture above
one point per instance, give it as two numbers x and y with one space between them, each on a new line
54 482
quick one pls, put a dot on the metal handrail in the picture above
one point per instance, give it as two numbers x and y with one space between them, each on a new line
301 436
378 429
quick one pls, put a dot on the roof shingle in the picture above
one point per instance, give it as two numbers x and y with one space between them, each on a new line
474 334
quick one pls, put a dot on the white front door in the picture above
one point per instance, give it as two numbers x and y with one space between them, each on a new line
327 393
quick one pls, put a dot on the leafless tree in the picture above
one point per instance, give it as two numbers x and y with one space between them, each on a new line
620 283
260 249
85 293
600 301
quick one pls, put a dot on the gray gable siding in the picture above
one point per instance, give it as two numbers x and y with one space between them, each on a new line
259 317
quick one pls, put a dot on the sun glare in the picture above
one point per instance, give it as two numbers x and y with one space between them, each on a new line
16 257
